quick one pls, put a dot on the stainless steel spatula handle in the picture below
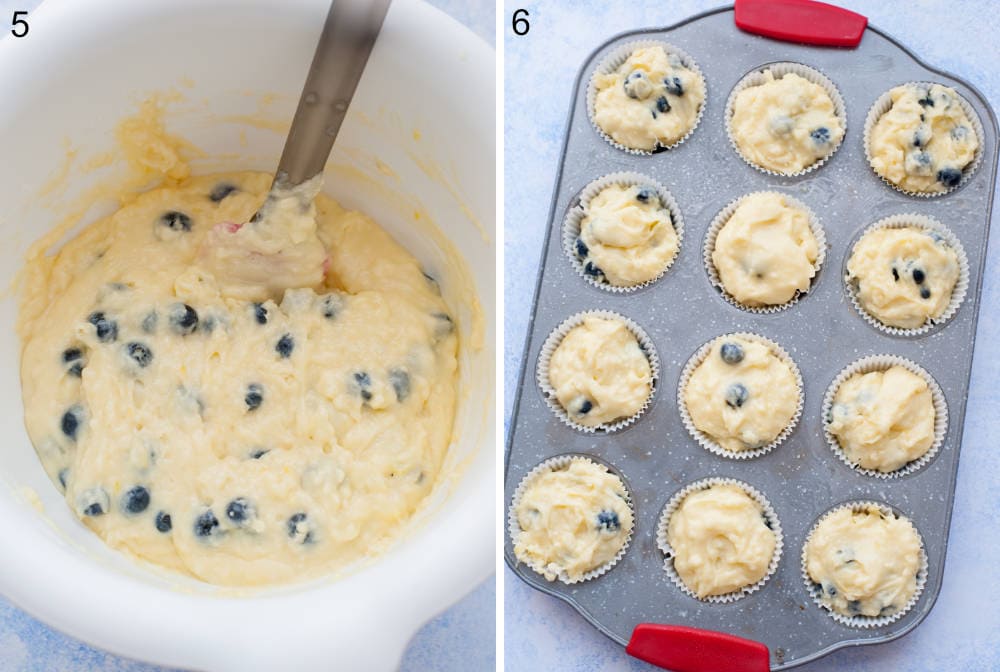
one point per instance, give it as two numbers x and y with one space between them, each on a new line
344 46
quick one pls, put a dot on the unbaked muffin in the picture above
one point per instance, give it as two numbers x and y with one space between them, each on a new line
742 395
651 100
904 276
785 124
864 560
883 420
765 253
721 540
572 519
627 236
925 141
600 373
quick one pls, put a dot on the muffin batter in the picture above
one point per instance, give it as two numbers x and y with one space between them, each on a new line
924 141
766 252
785 124
626 236
600 373
241 441
742 395
883 419
903 276
574 518
650 100
721 540
865 562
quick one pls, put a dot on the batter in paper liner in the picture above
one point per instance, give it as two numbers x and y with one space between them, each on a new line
766 252
721 540
883 419
742 395
599 372
574 519
785 124
243 438
626 236
924 141
865 562
903 276
650 100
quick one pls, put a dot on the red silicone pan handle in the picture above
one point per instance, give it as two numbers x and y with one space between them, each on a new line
802 21
683 649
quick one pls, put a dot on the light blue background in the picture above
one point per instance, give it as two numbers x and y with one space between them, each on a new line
542 633
459 640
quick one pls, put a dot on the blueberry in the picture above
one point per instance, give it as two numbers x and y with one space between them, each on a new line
299 528
949 177
608 521
592 270
240 511
662 104
254 396
284 346
332 305
586 406
221 190
163 522
94 502
674 86
960 133
175 221
643 194
260 313
107 330
922 136
926 101
74 357
258 453
925 293
135 500
183 319
140 353
443 324
400 381
206 524
737 395
581 248
150 321
830 589
364 385
63 477
895 274
71 421
921 158
71 354
821 135
854 606
636 85
767 522
918 276
731 353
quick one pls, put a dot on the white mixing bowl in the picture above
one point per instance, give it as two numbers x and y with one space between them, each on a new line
425 110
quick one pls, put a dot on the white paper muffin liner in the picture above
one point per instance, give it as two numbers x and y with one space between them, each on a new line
883 104
709 443
663 543
779 70
865 621
720 221
574 218
883 363
926 223
555 338
613 60
514 528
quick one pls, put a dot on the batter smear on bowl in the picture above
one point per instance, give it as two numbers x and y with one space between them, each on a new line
229 431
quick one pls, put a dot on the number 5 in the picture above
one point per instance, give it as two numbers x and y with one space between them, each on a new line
19 22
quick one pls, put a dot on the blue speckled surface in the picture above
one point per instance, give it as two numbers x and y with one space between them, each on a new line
542 633
458 640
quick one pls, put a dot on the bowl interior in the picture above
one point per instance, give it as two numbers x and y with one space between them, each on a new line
416 153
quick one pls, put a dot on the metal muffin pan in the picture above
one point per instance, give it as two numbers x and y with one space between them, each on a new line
802 477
